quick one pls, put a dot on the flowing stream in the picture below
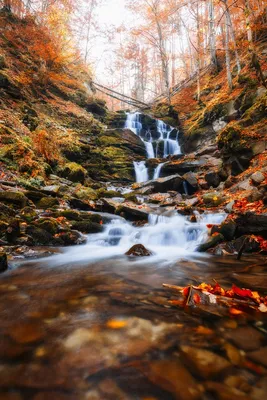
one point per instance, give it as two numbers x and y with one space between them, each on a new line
171 146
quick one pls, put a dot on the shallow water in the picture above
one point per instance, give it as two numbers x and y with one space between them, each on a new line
106 330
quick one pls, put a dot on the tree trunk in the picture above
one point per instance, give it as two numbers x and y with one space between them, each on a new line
227 55
212 41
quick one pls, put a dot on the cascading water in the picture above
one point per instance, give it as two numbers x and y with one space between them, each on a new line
168 237
171 146
158 170
141 171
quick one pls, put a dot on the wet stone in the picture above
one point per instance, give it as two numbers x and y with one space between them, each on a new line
138 250
246 338
204 362
173 377
27 332
3 262
259 356
226 393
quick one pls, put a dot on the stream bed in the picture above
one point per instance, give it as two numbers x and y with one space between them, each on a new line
107 330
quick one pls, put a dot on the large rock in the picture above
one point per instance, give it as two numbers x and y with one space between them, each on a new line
163 185
138 250
177 167
14 197
213 179
250 223
211 242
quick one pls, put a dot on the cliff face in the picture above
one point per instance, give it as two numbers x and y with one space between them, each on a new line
50 119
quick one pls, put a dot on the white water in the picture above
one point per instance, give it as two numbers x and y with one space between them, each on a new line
158 170
171 146
167 237
141 171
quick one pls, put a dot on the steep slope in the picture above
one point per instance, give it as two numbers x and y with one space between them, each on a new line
50 119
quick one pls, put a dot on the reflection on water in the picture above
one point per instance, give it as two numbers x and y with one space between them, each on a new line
107 330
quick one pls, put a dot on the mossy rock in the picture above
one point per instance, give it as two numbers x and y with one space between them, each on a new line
131 197
219 110
86 193
69 238
70 215
48 202
107 193
213 199
247 80
96 106
48 224
28 214
211 242
116 119
14 197
74 172
40 236
231 141
87 226
245 100
257 112
162 110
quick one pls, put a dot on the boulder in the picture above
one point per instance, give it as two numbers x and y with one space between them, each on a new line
191 178
80 205
28 214
13 230
70 238
251 223
174 167
39 236
227 229
213 179
86 226
257 178
163 185
212 199
48 224
74 172
48 202
133 212
14 197
138 250
3 262
211 242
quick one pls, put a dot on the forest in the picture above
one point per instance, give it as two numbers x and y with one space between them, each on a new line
133 201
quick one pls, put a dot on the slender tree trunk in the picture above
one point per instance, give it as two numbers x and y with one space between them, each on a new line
227 55
198 53
212 41
231 31
254 56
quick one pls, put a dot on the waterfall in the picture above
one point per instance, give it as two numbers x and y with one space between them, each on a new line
133 123
157 171
171 146
141 171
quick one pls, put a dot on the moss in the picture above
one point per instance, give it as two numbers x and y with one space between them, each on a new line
247 80
85 193
70 215
96 106
131 197
40 236
12 197
74 172
210 115
257 112
87 227
48 202
230 140
107 193
48 224
116 119
28 214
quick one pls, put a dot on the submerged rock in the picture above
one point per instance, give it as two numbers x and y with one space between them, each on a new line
138 250
3 262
